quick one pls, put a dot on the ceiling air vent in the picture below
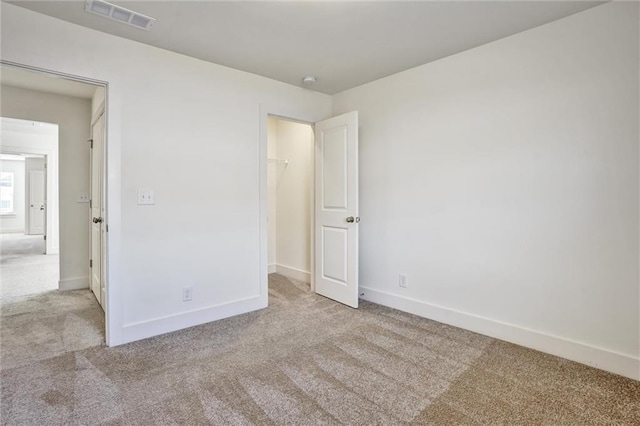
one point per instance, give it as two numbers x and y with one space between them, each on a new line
119 14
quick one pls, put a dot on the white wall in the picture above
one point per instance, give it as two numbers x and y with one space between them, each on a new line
504 182
73 116
294 195
190 131
14 222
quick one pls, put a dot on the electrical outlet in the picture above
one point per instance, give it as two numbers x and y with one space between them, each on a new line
402 281
187 294
83 197
146 196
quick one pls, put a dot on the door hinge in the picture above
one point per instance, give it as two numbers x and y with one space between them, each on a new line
106 228
45 238
91 142
90 263
90 203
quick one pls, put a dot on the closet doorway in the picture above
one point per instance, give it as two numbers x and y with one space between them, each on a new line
290 188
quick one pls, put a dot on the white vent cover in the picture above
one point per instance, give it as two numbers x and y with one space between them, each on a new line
119 14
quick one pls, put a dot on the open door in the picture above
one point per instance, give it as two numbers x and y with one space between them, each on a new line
336 209
97 211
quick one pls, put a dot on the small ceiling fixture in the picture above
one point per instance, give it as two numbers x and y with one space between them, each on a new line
119 14
308 80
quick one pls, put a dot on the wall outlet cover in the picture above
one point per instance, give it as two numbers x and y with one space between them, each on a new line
402 280
146 197
187 294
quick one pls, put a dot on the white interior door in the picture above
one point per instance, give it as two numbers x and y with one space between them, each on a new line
97 211
37 202
336 209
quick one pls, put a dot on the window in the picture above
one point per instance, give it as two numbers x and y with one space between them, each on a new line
6 192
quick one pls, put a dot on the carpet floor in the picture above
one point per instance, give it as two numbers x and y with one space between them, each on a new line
24 269
303 360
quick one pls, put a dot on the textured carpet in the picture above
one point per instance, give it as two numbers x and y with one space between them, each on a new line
303 360
24 269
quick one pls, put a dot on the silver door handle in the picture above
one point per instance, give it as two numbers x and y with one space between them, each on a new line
352 219
97 220
41 207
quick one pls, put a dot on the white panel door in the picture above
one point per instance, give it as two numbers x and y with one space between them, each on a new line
97 211
37 204
336 209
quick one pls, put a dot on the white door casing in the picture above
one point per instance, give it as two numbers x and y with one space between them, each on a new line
97 210
37 202
336 208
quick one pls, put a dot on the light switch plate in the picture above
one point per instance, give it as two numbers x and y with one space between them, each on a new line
146 197
83 197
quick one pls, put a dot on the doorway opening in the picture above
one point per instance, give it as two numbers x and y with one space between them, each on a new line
28 208
290 195
75 104
333 221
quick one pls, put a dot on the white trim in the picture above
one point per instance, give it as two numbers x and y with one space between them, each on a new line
73 284
611 361
167 324
272 268
294 273
97 114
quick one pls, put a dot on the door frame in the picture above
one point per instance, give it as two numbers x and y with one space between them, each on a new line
95 117
267 111
111 317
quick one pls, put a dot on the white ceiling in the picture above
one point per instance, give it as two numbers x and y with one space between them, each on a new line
343 44
45 83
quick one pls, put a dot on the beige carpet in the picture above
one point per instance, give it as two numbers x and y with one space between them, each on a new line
304 360
24 269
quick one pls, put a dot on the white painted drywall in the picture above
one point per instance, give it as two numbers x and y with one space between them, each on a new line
273 170
190 131
73 117
14 222
294 197
503 181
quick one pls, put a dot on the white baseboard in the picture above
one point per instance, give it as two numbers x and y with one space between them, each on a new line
73 284
294 273
272 268
154 327
624 365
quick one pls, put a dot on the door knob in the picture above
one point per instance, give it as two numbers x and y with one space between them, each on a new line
41 207
350 219
97 220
